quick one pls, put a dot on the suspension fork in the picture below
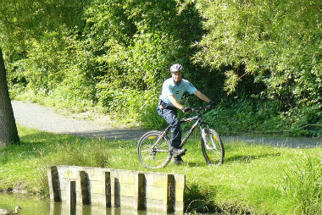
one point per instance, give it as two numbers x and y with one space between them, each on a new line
203 126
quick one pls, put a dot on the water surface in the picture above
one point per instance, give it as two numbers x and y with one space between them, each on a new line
34 206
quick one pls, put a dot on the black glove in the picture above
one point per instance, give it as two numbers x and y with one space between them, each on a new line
186 110
210 105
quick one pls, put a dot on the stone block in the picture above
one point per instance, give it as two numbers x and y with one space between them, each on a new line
180 181
95 174
130 202
50 184
156 205
55 208
63 194
157 193
124 185
98 199
179 195
156 179
179 207
84 188
98 210
97 187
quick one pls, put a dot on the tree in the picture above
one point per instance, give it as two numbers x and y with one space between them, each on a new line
275 43
20 21
8 129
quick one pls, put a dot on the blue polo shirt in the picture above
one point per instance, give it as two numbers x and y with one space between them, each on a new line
170 88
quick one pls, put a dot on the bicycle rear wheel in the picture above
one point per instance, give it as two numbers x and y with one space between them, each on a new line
212 147
153 155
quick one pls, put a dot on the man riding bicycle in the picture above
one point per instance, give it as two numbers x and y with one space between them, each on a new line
170 98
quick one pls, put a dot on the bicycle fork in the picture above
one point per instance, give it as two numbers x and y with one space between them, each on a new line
211 145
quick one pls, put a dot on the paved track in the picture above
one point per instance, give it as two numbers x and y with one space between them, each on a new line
46 119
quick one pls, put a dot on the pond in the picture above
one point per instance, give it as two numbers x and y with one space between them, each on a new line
34 206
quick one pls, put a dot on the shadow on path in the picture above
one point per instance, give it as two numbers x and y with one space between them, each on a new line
292 142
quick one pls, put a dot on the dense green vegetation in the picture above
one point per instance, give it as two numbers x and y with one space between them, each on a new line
259 60
256 179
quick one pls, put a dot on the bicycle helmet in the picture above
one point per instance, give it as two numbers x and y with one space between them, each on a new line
176 68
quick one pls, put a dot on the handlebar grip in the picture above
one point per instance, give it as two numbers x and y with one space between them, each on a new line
196 109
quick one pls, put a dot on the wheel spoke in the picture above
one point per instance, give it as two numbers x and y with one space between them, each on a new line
153 155
162 150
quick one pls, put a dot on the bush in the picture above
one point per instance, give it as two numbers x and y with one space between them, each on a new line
275 42
302 186
116 54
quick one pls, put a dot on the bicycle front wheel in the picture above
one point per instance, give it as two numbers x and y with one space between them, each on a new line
153 154
212 147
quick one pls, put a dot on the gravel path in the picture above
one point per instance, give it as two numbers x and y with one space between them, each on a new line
46 119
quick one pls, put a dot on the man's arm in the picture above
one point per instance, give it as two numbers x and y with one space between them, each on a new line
181 107
202 96
174 101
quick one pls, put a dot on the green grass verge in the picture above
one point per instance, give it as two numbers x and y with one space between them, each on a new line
256 179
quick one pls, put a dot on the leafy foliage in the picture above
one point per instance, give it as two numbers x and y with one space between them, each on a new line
275 42
116 54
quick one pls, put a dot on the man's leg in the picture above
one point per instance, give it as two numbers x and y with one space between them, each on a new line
172 119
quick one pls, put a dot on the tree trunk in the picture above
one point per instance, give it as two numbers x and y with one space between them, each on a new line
8 128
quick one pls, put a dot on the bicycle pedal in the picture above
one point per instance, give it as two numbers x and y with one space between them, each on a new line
178 152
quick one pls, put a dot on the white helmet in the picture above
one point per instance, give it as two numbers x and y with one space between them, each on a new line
176 68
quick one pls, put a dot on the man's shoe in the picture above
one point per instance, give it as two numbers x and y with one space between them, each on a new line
178 152
177 161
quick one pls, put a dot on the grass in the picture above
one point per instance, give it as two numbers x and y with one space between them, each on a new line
255 179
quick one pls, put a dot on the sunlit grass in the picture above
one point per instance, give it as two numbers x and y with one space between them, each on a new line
254 178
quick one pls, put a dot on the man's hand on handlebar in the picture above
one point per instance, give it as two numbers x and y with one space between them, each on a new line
210 105
186 110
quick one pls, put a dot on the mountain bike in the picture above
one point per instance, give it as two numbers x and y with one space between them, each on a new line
154 147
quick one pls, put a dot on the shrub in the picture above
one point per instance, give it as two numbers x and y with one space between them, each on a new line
302 186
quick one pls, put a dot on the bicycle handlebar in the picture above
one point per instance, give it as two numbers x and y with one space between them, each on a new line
201 109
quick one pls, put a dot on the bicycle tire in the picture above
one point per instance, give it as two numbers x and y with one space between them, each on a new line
155 158
212 147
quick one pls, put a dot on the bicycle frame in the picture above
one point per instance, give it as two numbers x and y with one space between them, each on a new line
198 120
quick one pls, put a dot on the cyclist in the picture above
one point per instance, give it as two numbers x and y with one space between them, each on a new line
170 98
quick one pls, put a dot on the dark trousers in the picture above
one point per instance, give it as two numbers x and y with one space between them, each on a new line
171 116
